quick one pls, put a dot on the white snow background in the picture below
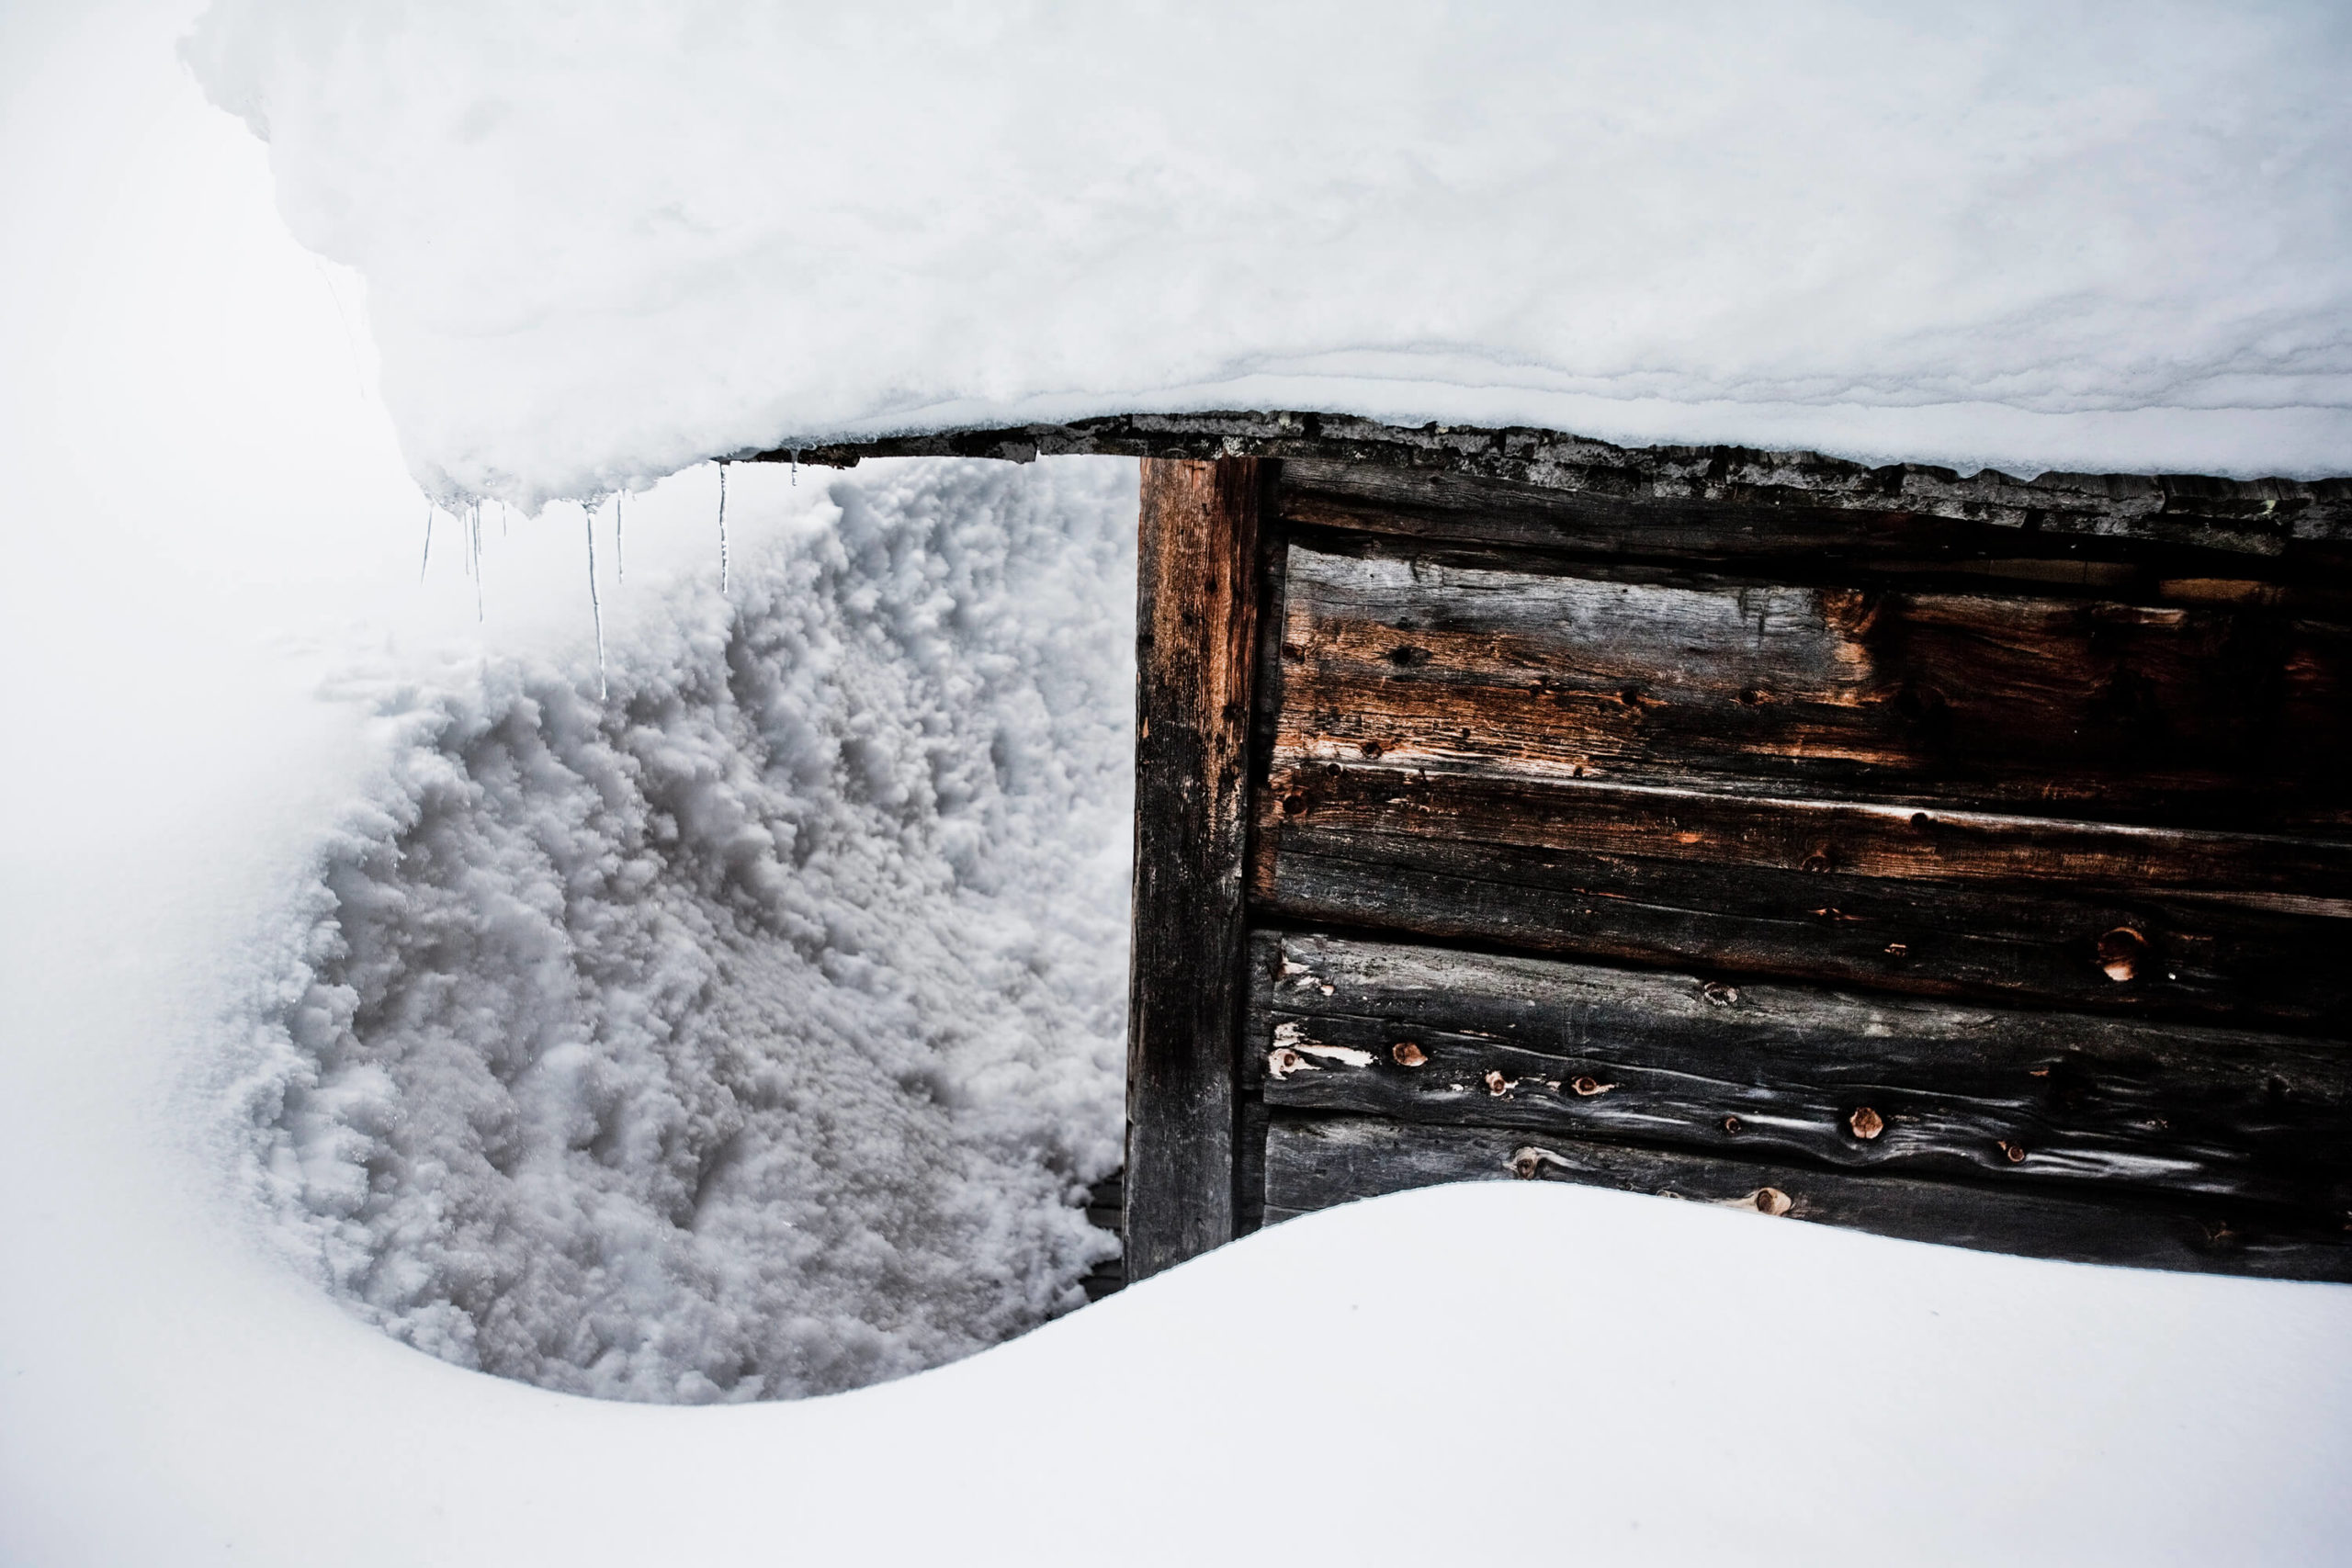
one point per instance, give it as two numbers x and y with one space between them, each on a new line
223 675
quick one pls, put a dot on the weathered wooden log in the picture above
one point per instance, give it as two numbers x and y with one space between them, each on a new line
2234 717
1795 505
1196 630
1316 1162
1759 1071
2311 875
2097 951
1792 507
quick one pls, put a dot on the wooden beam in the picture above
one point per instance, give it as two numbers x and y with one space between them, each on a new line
2218 716
1756 1071
1313 1163
1195 638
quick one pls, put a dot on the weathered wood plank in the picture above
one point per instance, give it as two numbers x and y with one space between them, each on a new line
2114 952
1858 839
1785 506
2275 520
2225 716
1765 1071
1195 629
1316 1162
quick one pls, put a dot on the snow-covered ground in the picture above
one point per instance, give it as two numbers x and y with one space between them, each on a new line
211 618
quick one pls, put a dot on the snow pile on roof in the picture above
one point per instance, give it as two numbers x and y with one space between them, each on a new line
753 1034
604 242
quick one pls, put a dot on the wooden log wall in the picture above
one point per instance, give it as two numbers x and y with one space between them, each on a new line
1942 875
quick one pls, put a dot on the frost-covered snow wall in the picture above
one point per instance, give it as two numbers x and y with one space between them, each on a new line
754 1032
604 242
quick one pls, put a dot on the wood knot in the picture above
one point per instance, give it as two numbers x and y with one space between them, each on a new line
2016 1152
1406 657
1589 1084
2120 954
1755 698
1370 747
1770 1200
1294 804
1866 1124
1817 860
1282 1060
1497 1085
1921 819
1530 1161
1719 994
1408 1054
1731 1125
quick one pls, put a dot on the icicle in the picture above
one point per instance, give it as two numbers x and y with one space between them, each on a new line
620 562
595 605
476 554
722 527
428 542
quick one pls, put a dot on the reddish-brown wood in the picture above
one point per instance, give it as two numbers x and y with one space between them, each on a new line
2232 716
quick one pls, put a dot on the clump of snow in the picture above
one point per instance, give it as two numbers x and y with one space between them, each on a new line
753 1032
601 243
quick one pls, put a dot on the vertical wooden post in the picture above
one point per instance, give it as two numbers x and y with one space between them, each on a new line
1195 646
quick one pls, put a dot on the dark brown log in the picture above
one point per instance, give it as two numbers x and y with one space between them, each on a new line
1792 504
1196 629
2187 957
1316 1162
1765 1071
2223 715
1887 839
1791 507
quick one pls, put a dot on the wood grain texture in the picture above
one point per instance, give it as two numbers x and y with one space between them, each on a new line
1726 505
2225 715
1572 491
1316 1162
2125 952
1195 633
1759 1071
1882 839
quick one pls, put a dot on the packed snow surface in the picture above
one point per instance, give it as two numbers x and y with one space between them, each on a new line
603 242
751 1033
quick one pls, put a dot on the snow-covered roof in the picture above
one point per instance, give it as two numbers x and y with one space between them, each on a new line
601 244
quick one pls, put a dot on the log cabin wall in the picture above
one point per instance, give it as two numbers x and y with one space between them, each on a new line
1954 888
1961 858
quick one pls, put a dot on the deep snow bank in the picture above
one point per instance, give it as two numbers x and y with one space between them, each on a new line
751 1032
603 242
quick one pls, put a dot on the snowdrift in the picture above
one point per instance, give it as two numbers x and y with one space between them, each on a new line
601 244
752 1032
